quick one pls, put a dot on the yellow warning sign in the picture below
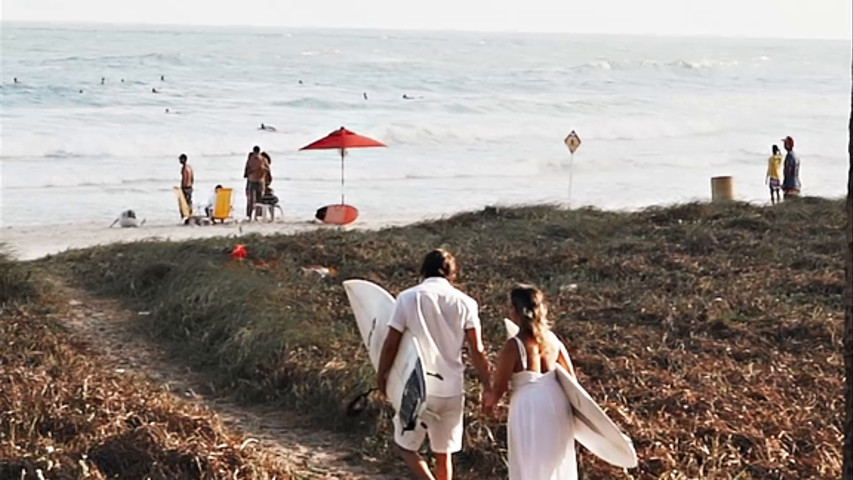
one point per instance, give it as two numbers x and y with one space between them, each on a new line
573 141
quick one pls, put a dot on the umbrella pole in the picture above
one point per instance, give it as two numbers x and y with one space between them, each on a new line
343 152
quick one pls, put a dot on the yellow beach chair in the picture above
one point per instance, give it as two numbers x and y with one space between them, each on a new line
222 206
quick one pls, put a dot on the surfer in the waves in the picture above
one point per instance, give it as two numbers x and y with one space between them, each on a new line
443 319
541 440
267 128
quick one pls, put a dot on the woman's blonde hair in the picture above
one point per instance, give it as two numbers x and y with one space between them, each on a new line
529 303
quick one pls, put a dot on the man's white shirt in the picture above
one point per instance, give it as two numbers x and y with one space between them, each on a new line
438 314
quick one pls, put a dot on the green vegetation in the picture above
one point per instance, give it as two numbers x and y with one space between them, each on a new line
711 333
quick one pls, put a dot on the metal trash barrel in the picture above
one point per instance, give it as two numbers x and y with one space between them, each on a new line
722 189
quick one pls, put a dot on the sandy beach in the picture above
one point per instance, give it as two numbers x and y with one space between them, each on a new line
31 242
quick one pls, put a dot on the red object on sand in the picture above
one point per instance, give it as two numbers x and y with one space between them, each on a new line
342 139
239 252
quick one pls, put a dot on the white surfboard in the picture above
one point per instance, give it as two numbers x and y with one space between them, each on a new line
373 306
592 427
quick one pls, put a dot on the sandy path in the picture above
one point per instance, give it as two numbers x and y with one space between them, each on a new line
311 453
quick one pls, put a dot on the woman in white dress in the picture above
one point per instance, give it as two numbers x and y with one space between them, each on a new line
540 437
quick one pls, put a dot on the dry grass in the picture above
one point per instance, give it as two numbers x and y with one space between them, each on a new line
712 334
66 414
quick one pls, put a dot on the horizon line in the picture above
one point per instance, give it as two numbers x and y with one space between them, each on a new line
101 23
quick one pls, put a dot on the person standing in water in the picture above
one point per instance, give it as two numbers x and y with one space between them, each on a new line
791 184
774 175
539 428
187 180
443 319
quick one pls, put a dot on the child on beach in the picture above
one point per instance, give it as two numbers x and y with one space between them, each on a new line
211 201
774 175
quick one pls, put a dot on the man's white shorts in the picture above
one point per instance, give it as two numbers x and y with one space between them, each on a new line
445 432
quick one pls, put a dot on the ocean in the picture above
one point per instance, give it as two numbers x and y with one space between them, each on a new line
657 116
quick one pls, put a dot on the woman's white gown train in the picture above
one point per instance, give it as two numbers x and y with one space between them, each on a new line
541 440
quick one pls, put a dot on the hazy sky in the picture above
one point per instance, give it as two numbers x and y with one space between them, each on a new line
764 18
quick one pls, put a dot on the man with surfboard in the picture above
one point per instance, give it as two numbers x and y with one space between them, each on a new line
443 320
187 180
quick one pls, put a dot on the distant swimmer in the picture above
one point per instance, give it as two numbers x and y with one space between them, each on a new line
365 95
81 91
300 82
409 97
16 80
267 128
103 80
154 90
162 78
122 80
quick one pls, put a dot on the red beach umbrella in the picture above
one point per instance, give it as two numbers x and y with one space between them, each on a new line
342 139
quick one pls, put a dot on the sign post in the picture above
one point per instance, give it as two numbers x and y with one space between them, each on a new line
572 141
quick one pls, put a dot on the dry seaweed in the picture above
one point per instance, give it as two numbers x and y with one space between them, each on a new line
710 333
65 414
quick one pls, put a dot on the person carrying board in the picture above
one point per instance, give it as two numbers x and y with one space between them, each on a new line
187 180
442 319
540 435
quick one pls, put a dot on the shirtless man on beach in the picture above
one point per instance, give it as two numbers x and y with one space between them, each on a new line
256 171
187 180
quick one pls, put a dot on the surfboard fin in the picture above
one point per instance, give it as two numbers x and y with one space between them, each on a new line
414 396
358 404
